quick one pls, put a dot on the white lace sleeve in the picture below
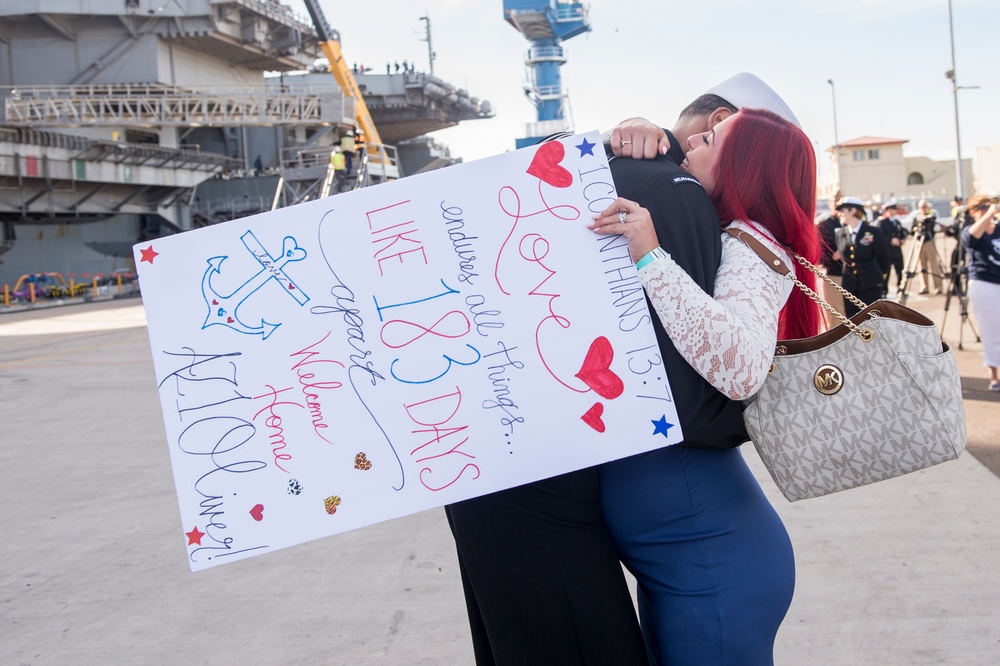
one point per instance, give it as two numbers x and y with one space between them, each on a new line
728 339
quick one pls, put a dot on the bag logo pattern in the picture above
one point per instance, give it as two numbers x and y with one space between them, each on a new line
828 380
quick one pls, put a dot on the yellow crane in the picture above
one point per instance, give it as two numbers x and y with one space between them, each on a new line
329 42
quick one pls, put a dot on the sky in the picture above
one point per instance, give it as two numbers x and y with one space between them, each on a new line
887 60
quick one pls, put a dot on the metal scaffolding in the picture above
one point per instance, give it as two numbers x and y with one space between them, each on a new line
158 106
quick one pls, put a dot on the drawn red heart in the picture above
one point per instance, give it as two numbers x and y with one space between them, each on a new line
545 165
291 286
257 512
596 370
215 302
593 417
229 320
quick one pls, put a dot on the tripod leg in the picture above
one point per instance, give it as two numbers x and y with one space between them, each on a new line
909 270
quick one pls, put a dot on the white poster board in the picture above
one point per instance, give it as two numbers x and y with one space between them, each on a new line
384 351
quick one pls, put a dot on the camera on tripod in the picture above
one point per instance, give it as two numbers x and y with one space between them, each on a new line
929 225
955 230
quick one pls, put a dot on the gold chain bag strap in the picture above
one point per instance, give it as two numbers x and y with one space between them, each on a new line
875 397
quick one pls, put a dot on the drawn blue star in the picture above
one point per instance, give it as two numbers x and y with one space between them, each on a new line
660 426
586 148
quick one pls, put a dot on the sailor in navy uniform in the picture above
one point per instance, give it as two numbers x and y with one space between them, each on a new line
895 235
865 254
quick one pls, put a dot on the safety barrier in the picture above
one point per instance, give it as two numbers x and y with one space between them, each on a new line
96 287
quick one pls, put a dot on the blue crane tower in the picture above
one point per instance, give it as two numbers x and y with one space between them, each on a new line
545 24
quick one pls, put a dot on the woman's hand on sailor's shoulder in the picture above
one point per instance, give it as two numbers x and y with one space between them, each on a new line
639 139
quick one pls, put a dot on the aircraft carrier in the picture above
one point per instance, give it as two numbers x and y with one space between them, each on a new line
124 120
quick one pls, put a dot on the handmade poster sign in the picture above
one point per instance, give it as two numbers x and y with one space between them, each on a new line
385 351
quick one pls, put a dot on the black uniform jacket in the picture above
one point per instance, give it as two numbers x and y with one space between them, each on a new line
892 228
827 230
866 260
687 227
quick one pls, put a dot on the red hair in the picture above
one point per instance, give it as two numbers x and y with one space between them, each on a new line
765 174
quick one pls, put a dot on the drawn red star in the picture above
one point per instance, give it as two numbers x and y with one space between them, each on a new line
149 254
194 537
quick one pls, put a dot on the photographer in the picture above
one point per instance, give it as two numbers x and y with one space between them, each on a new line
925 226
982 241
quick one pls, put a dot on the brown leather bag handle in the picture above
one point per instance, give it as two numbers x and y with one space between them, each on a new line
770 258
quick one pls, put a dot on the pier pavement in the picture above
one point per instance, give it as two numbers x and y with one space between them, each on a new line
901 572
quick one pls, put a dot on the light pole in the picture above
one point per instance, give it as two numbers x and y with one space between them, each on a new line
950 74
836 136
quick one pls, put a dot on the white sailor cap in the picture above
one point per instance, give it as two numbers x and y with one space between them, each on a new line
851 202
746 90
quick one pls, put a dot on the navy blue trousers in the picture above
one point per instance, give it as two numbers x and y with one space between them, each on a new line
712 558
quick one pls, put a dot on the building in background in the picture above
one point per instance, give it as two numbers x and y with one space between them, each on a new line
988 170
875 169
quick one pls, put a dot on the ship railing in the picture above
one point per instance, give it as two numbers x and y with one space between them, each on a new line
542 53
379 163
545 92
43 138
158 105
276 12
306 158
74 167
571 11
547 127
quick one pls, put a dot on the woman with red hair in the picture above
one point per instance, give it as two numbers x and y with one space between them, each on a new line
712 558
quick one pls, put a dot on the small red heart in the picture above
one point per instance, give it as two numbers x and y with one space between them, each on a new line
215 302
545 165
229 320
291 286
257 512
596 370
593 417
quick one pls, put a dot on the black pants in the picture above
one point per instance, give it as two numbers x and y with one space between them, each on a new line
895 263
543 583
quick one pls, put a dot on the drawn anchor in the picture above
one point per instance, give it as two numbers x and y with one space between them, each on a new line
222 309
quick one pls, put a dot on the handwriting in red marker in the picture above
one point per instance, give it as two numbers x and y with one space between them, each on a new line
510 203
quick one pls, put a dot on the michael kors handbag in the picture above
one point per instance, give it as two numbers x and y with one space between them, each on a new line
876 397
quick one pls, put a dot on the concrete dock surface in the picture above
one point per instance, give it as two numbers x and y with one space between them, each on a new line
94 570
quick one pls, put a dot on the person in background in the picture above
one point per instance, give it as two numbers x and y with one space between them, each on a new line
925 225
347 147
339 164
982 241
957 207
826 229
894 233
874 212
865 254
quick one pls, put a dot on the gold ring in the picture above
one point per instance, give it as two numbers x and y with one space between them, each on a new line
624 142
